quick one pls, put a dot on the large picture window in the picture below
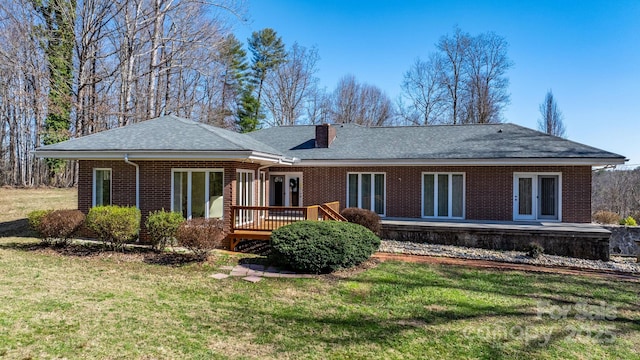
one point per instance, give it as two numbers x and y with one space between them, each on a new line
443 195
197 193
101 187
366 191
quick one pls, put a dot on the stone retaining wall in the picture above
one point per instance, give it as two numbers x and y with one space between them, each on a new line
585 245
622 239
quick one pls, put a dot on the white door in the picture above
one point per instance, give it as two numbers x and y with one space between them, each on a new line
536 197
524 193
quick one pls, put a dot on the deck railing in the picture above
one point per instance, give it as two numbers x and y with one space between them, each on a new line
268 218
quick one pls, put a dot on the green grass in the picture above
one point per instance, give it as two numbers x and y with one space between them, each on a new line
119 307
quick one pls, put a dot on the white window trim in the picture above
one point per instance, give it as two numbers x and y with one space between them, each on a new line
189 171
535 209
93 186
449 195
384 200
262 188
287 190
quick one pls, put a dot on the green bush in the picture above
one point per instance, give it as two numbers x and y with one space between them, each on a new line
34 218
114 225
201 235
628 221
534 250
162 227
60 225
322 246
366 218
606 217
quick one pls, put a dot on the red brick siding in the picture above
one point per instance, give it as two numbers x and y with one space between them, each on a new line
488 195
155 183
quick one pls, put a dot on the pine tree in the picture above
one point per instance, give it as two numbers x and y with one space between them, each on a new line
267 51
249 115
234 59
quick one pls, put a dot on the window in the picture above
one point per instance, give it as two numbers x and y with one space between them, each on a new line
244 195
443 195
366 191
197 193
244 188
101 187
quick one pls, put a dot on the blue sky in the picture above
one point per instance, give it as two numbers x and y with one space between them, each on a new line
587 52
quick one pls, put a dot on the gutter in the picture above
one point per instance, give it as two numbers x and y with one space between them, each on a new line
126 160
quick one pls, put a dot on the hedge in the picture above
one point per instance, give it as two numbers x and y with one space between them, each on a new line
322 246
114 225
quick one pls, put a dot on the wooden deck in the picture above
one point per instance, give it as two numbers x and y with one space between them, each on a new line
257 222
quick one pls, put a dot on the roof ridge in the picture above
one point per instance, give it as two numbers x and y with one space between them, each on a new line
225 134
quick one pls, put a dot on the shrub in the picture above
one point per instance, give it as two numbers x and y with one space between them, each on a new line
606 217
114 225
366 218
162 227
201 235
60 225
34 221
628 221
322 246
534 250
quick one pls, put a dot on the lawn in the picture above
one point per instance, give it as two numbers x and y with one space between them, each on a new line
60 305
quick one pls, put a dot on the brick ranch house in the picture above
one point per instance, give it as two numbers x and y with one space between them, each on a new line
496 172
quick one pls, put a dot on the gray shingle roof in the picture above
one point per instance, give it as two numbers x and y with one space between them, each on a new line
441 142
166 133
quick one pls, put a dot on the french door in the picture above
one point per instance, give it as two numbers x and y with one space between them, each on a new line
285 189
536 196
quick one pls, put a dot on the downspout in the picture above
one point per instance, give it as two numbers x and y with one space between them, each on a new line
126 160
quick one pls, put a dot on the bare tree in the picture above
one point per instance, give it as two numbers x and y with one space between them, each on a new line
551 121
117 74
486 84
318 106
290 84
464 81
453 50
420 87
362 104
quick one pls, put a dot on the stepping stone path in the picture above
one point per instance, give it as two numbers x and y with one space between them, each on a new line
255 272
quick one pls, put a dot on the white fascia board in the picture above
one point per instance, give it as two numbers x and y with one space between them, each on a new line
466 162
160 155
258 156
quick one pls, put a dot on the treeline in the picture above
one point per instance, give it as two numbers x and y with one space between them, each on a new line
70 68
617 191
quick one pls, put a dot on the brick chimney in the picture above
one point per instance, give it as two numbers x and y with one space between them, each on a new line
325 134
